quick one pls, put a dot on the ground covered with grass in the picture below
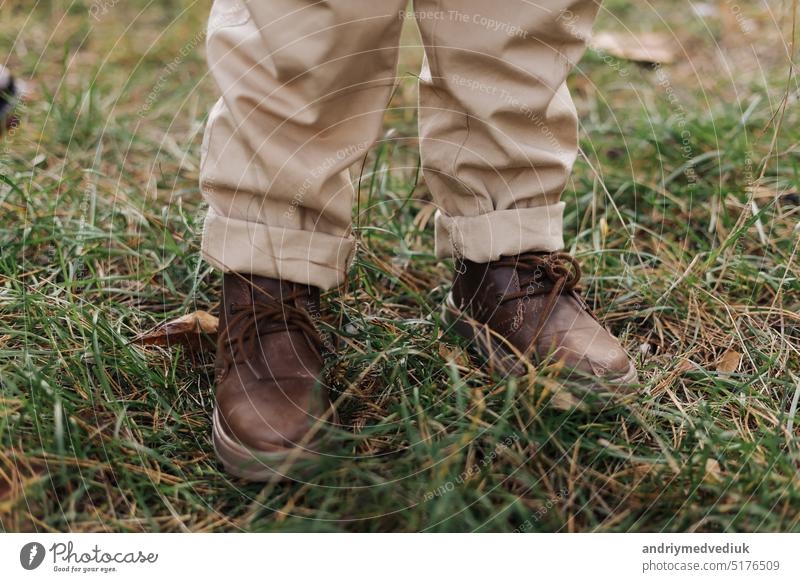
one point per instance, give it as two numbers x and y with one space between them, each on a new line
683 210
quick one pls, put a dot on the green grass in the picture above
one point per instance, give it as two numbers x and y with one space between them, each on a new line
688 240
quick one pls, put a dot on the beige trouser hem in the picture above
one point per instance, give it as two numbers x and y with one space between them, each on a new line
307 256
489 236
303 89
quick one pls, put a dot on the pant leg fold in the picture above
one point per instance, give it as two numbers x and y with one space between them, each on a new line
489 236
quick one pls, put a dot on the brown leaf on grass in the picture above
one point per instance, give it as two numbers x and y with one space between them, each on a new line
563 400
648 48
457 355
188 330
729 362
713 470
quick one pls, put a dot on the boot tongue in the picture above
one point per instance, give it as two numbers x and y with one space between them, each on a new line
487 279
247 289
484 285
504 279
507 317
252 288
266 288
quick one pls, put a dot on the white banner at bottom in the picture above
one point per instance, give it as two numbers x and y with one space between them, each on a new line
400 557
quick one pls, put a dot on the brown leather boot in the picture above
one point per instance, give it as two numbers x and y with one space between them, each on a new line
270 402
527 307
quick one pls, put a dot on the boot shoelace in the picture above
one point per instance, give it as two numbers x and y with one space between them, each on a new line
261 317
553 274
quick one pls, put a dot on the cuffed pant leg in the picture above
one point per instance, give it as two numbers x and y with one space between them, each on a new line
304 85
311 257
498 128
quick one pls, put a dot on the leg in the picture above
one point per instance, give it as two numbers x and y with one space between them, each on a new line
497 125
499 137
304 85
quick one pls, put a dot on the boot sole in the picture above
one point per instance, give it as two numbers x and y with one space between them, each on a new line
255 465
494 351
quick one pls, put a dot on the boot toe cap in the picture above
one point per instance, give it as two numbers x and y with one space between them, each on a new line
270 421
593 351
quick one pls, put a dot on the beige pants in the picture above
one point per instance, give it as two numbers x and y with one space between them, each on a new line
304 84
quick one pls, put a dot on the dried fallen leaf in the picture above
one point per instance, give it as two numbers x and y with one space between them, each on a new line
713 470
649 48
563 400
642 470
424 216
188 330
457 355
729 362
